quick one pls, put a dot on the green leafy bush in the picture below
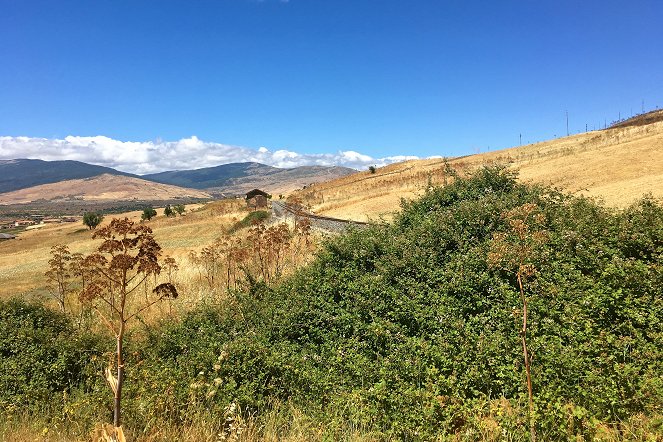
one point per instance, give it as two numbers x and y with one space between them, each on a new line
41 355
249 220
406 332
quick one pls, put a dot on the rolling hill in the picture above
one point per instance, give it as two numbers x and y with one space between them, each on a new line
100 188
30 180
238 178
23 173
618 165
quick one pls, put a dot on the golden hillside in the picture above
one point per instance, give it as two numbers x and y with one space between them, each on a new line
24 260
617 165
101 188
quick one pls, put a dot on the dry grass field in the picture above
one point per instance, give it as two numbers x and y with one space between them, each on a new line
24 260
617 165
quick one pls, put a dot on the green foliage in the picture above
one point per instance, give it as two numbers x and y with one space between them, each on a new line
92 220
252 218
179 208
41 355
168 211
372 169
148 213
406 332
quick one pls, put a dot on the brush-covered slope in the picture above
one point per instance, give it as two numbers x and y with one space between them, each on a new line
238 178
617 165
104 187
411 330
24 173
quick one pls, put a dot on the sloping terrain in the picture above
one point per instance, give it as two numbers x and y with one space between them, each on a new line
618 165
283 180
208 177
104 187
238 178
25 259
24 173
641 120
226 179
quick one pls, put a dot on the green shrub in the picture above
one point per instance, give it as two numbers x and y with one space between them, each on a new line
249 220
41 355
405 332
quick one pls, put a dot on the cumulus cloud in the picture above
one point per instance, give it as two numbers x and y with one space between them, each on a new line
145 157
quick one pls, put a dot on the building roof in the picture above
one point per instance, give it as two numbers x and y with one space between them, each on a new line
7 236
256 192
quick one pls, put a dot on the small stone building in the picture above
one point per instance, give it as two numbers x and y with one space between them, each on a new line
257 199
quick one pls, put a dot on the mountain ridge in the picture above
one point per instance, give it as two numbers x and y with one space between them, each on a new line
40 179
234 178
22 173
105 187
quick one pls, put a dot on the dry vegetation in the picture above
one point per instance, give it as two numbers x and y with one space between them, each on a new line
617 165
197 245
201 238
24 260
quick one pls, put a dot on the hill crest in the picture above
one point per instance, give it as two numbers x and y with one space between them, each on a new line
618 165
105 187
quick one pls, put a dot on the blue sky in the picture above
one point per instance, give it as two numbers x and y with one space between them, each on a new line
383 78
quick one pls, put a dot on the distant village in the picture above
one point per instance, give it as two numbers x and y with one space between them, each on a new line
34 222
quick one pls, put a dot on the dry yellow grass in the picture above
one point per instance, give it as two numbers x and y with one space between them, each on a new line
24 260
616 165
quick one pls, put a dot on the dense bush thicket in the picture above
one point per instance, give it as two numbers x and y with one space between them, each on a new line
406 331
41 356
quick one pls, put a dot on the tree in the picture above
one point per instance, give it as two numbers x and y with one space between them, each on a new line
92 220
372 169
126 257
515 251
179 208
148 213
168 211
58 274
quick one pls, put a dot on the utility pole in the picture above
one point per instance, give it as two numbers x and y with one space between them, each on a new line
521 140
567 123
585 127
643 106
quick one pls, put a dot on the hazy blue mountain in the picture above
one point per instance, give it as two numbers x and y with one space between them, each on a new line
210 177
228 179
24 173
237 178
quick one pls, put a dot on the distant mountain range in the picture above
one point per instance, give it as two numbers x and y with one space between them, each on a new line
103 188
238 178
22 173
224 180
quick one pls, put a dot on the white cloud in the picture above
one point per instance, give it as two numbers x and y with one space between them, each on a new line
187 153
